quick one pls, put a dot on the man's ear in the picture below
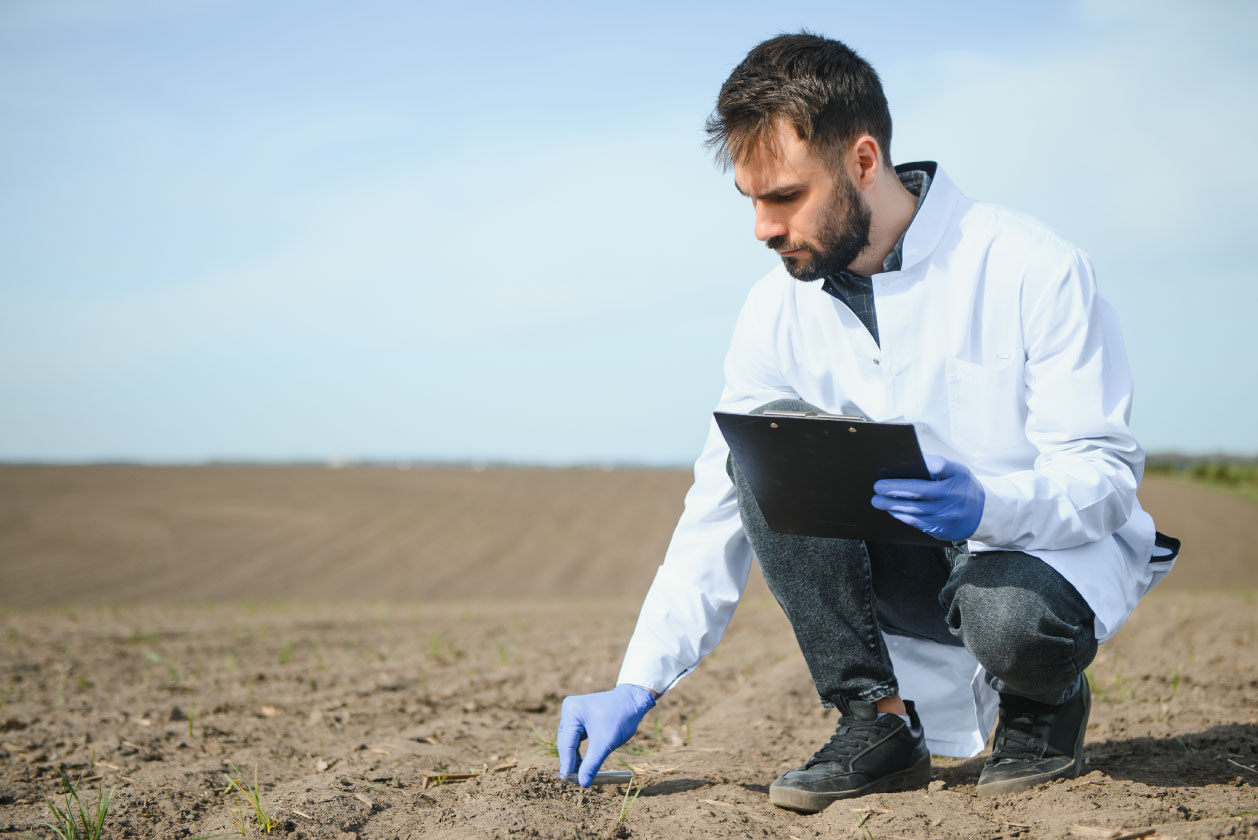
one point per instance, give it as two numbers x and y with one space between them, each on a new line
864 159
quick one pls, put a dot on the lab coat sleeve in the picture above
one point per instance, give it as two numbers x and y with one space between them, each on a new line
705 568
1082 486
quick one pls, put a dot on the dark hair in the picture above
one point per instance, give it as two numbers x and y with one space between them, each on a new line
820 86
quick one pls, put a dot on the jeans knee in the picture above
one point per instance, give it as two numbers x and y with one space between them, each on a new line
785 404
1016 636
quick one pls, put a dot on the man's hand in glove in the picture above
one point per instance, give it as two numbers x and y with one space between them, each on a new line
608 719
948 507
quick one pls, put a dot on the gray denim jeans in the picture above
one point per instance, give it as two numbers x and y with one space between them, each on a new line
1025 624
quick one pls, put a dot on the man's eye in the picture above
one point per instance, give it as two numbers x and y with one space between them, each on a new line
788 197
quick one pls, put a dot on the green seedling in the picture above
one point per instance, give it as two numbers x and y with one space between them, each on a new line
545 743
637 749
628 801
860 823
172 670
253 798
286 653
441 646
74 820
1117 689
369 785
192 714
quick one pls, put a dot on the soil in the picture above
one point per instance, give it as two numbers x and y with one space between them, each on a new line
363 639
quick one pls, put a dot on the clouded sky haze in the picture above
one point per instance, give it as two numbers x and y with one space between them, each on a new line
407 230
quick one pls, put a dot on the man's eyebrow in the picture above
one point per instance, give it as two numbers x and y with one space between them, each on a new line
776 192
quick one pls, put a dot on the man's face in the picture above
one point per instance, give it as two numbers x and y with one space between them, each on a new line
811 214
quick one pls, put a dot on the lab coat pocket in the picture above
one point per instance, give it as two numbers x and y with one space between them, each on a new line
986 409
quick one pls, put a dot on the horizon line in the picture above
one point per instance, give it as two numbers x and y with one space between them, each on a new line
1173 459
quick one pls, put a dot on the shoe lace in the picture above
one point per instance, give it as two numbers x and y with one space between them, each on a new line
1023 732
847 742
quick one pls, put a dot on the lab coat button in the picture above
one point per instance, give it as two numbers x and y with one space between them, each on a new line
875 361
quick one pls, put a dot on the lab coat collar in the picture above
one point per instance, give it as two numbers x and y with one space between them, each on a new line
931 222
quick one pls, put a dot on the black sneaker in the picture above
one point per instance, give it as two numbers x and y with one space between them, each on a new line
1036 743
867 754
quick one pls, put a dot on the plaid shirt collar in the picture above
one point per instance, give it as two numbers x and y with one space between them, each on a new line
916 179
856 290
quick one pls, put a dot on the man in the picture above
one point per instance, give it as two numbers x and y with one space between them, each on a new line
903 300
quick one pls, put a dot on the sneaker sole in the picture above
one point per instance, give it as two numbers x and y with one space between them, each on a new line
1021 783
808 802
1069 771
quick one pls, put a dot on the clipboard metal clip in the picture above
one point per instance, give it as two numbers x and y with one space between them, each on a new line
817 414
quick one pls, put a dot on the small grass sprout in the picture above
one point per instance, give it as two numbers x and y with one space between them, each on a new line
634 788
172 670
638 749
253 798
74 820
370 786
544 742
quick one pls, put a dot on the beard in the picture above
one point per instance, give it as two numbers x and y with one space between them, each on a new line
843 235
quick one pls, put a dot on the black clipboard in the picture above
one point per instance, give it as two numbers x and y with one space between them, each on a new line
813 474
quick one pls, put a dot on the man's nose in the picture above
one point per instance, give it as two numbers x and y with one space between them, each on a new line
768 225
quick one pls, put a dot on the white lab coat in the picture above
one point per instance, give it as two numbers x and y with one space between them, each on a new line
997 347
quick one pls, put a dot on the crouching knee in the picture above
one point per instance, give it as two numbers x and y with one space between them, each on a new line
1035 639
786 404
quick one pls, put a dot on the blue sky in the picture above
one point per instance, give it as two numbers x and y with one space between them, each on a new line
406 230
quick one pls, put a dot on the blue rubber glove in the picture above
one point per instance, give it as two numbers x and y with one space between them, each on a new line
608 719
947 508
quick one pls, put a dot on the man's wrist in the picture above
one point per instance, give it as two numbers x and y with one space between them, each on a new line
649 695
